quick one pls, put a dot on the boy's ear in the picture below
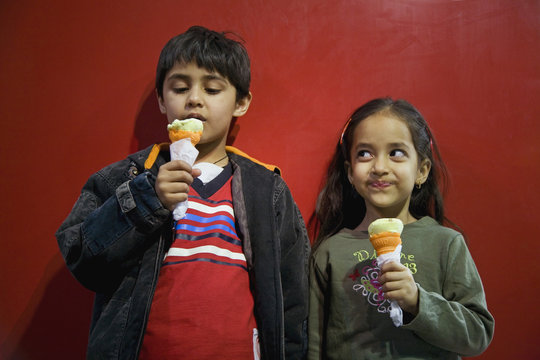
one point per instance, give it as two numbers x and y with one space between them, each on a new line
242 105
162 107
423 171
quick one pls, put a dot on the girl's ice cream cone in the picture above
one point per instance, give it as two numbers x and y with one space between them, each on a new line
385 234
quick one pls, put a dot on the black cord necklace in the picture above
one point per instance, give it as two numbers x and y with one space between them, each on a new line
223 158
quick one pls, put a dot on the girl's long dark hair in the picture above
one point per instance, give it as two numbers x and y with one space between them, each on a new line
339 205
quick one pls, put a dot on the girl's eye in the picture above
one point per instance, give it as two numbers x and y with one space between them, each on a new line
398 154
180 90
364 155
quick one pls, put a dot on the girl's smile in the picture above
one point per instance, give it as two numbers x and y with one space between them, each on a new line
380 184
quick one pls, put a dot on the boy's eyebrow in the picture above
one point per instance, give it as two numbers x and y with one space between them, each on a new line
177 76
184 77
214 77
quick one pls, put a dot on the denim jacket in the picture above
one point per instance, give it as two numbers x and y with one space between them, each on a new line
116 235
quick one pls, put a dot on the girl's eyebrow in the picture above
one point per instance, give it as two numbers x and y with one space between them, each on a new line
399 144
391 145
363 145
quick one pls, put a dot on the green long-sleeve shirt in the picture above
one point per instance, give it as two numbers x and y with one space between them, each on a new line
348 317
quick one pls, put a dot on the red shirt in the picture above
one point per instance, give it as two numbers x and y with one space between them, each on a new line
203 307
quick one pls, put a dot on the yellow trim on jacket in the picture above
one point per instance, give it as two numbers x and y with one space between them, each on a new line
151 159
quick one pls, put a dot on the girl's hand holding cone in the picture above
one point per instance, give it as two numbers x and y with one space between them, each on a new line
398 285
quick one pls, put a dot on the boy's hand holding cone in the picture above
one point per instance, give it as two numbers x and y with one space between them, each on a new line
184 135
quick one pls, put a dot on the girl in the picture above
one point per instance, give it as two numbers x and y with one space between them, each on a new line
387 165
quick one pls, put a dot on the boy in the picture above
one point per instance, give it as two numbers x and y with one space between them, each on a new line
229 280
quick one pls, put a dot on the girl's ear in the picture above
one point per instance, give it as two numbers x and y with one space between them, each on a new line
348 170
242 105
423 171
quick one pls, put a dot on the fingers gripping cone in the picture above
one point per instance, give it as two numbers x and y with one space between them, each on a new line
184 135
385 236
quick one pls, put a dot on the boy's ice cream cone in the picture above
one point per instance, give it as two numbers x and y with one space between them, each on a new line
184 129
385 234
184 135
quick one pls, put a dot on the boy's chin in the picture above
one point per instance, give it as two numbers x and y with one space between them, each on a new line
211 143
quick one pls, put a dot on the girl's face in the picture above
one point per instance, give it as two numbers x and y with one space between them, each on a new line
384 166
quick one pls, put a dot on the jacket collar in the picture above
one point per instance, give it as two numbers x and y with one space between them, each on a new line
157 148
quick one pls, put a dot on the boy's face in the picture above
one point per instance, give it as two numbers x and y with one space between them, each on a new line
193 92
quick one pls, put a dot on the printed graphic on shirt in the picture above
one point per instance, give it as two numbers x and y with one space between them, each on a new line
366 282
207 233
407 260
366 279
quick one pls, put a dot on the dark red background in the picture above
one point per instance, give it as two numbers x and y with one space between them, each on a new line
77 94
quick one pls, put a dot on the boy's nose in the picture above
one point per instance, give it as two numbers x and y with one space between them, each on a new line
194 99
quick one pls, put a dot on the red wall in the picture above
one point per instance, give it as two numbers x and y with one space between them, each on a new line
77 94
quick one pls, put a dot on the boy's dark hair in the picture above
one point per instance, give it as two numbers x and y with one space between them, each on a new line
210 50
340 206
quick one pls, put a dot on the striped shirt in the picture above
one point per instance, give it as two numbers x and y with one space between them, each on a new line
203 306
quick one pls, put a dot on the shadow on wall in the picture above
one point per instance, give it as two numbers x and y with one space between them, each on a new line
150 123
56 321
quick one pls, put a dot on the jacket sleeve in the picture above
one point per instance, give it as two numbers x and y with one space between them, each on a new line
317 288
295 248
108 228
456 320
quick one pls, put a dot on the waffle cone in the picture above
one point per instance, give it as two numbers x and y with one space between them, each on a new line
385 242
194 136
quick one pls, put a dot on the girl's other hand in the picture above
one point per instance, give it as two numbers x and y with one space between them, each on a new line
398 284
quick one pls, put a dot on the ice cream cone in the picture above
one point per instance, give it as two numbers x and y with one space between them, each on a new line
186 129
385 235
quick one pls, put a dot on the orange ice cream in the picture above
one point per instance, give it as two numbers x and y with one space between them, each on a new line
385 234
186 129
